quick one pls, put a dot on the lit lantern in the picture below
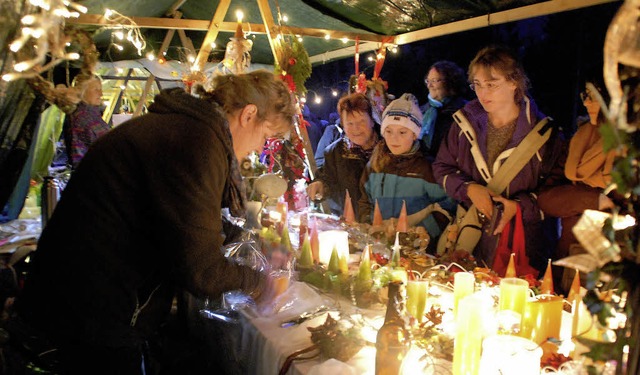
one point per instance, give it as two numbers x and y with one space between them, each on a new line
330 239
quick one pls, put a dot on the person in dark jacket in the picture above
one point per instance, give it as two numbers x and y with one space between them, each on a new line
141 218
446 83
501 117
398 172
346 158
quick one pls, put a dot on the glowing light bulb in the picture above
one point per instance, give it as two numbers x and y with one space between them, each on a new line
21 66
344 40
191 58
108 13
213 45
334 92
151 56
73 56
327 37
303 99
119 70
10 77
370 58
161 60
28 19
285 18
394 49
300 39
318 100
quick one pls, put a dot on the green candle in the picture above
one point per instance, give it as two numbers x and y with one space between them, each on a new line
306 259
285 240
334 261
364 272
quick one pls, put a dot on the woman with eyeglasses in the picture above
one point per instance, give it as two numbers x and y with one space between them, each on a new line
446 83
501 116
587 171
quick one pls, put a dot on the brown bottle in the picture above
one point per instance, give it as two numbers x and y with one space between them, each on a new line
393 340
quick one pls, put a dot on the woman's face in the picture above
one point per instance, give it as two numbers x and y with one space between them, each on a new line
399 139
93 93
358 127
592 105
251 137
493 89
436 84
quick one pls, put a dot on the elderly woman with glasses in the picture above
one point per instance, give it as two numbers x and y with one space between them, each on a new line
501 117
446 83
587 171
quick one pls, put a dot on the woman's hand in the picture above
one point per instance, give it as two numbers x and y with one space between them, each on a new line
315 190
510 210
481 197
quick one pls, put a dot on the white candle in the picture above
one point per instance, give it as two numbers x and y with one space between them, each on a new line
504 354
331 238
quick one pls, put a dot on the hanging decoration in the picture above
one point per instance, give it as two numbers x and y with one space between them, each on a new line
237 56
124 28
41 43
292 64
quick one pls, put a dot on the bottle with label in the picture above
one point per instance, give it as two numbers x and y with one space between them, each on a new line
393 340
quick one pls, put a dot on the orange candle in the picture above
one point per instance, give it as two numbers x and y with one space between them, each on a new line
403 225
377 215
349 214
315 244
511 268
547 281
574 292
542 318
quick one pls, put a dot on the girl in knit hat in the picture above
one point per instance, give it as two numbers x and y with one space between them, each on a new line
400 172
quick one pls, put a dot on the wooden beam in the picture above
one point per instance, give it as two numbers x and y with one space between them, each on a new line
530 11
273 31
212 33
202 25
516 14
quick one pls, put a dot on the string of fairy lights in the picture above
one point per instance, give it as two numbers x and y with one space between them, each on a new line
41 43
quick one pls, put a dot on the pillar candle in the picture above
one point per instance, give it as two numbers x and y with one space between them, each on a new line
330 239
513 294
503 354
467 346
542 318
463 285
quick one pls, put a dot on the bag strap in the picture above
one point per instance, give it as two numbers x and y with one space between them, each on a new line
520 156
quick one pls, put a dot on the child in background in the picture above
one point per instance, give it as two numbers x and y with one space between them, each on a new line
399 171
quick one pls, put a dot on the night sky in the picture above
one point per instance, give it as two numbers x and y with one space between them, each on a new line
557 51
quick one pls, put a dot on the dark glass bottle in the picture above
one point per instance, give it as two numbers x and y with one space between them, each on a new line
393 340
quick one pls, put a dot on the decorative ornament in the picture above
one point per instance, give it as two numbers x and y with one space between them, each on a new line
237 56
292 64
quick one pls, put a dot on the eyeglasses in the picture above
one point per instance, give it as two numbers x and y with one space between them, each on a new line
586 95
434 81
490 86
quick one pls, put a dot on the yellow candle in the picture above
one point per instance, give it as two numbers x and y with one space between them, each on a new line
463 285
417 291
467 346
513 294
542 318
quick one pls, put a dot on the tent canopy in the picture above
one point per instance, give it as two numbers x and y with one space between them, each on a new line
328 28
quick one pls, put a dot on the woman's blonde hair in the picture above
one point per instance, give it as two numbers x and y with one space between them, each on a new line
81 82
504 61
261 88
